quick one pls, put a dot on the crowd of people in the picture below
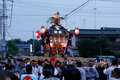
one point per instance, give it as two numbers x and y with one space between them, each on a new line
18 69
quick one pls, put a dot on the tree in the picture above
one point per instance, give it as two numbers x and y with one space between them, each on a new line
11 48
37 44
18 41
101 43
87 47
117 54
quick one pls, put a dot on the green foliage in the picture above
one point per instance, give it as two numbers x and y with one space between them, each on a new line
101 42
37 54
76 55
37 44
87 47
117 54
18 41
11 48
107 52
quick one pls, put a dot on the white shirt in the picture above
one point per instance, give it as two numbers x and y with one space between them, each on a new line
109 71
35 71
82 72
40 70
118 66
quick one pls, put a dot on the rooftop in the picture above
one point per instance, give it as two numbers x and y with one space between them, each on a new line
22 44
99 31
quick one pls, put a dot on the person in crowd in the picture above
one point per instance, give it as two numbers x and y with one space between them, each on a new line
34 68
82 71
116 74
9 58
40 69
91 72
8 64
63 68
18 66
28 75
27 61
108 71
4 76
72 74
10 72
2 67
58 68
119 64
22 69
15 62
100 67
47 72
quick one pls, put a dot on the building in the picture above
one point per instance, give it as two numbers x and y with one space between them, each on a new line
113 34
24 49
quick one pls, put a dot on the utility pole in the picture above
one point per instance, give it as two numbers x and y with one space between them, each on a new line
84 22
0 23
3 18
0 28
33 43
95 14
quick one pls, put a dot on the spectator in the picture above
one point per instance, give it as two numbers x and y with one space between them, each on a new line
119 64
47 72
34 68
22 69
4 76
91 72
8 64
63 67
58 68
116 74
108 71
82 71
72 74
29 75
2 67
10 73
27 61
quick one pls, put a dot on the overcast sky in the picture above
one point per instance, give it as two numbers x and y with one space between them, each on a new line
30 15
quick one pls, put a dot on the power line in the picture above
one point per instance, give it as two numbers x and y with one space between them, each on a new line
20 30
81 6
9 34
109 0
48 4
23 24
35 5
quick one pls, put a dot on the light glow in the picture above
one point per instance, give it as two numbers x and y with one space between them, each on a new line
76 31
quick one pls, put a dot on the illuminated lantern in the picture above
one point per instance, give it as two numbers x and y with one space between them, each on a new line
68 33
42 30
76 31
64 44
37 34
51 44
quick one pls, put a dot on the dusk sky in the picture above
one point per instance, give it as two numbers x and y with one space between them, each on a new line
30 15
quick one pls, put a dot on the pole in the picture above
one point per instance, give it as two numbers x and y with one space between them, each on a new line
95 15
3 23
0 25
84 22
33 43
3 19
